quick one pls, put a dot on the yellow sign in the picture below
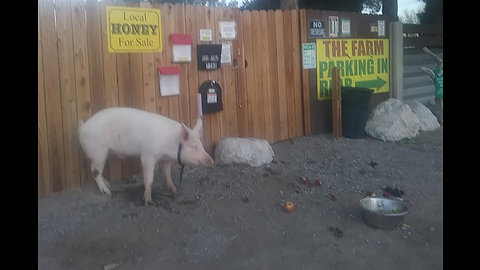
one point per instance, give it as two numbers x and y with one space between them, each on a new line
132 30
362 63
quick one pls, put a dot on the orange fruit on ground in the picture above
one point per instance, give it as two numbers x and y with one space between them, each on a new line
289 206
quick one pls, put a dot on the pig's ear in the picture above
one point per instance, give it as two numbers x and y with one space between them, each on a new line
198 127
183 133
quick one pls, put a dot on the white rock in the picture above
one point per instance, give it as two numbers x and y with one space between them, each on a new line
247 151
392 120
427 120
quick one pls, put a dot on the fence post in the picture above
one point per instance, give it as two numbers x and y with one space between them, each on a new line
396 60
336 104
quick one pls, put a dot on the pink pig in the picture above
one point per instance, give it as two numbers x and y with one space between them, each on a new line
152 137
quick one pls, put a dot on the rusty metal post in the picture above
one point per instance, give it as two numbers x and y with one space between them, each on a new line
336 104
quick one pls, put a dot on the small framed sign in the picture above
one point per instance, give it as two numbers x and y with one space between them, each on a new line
208 56
316 29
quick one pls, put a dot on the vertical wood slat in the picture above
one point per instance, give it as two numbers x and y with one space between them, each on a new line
160 60
111 88
149 70
200 18
297 87
229 114
95 57
192 77
68 93
273 75
239 58
265 76
213 16
82 76
249 73
52 96
289 83
282 89
183 98
259 107
43 166
168 14
305 88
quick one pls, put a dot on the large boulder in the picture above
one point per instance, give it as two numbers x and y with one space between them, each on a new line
392 120
426 118
246 151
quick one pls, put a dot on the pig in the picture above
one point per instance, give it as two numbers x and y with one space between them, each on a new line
152 137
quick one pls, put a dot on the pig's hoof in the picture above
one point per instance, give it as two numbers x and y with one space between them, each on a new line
148 202
105 190
173 189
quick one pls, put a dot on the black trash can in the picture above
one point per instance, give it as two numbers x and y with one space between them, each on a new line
355 111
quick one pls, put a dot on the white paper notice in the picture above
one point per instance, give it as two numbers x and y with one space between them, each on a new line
205 34
228 30
226 53
182 53
345 27
170 85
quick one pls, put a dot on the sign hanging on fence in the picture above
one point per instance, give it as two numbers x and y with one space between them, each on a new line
362 63
133 30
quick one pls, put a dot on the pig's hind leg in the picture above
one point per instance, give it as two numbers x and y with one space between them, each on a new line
98 163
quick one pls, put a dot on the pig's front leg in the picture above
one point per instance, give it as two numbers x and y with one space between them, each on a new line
148 170
166 170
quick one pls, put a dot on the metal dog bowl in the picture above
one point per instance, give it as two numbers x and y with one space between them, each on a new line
383 213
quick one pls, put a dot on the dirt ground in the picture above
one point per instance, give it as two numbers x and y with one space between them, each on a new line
231 217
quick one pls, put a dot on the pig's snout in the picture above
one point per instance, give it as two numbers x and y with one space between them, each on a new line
208 162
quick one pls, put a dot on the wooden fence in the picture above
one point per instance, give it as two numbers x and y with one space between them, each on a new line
261 90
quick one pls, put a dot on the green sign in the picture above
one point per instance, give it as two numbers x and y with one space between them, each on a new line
438 82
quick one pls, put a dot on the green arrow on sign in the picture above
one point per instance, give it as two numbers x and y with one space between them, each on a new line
375 84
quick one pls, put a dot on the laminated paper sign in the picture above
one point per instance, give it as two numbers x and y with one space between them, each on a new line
182 47
228 30
169 80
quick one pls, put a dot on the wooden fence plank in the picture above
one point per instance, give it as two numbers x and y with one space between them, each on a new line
249 64
82 77
160 61
200 18
43 166
111 88
52 96
169 21
95 59
192 72
273 75
297 86
68 95
230 84
148 66
305 88
239 61
259 73
287 21
265 79
183 98
231 81
211 22
282 90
